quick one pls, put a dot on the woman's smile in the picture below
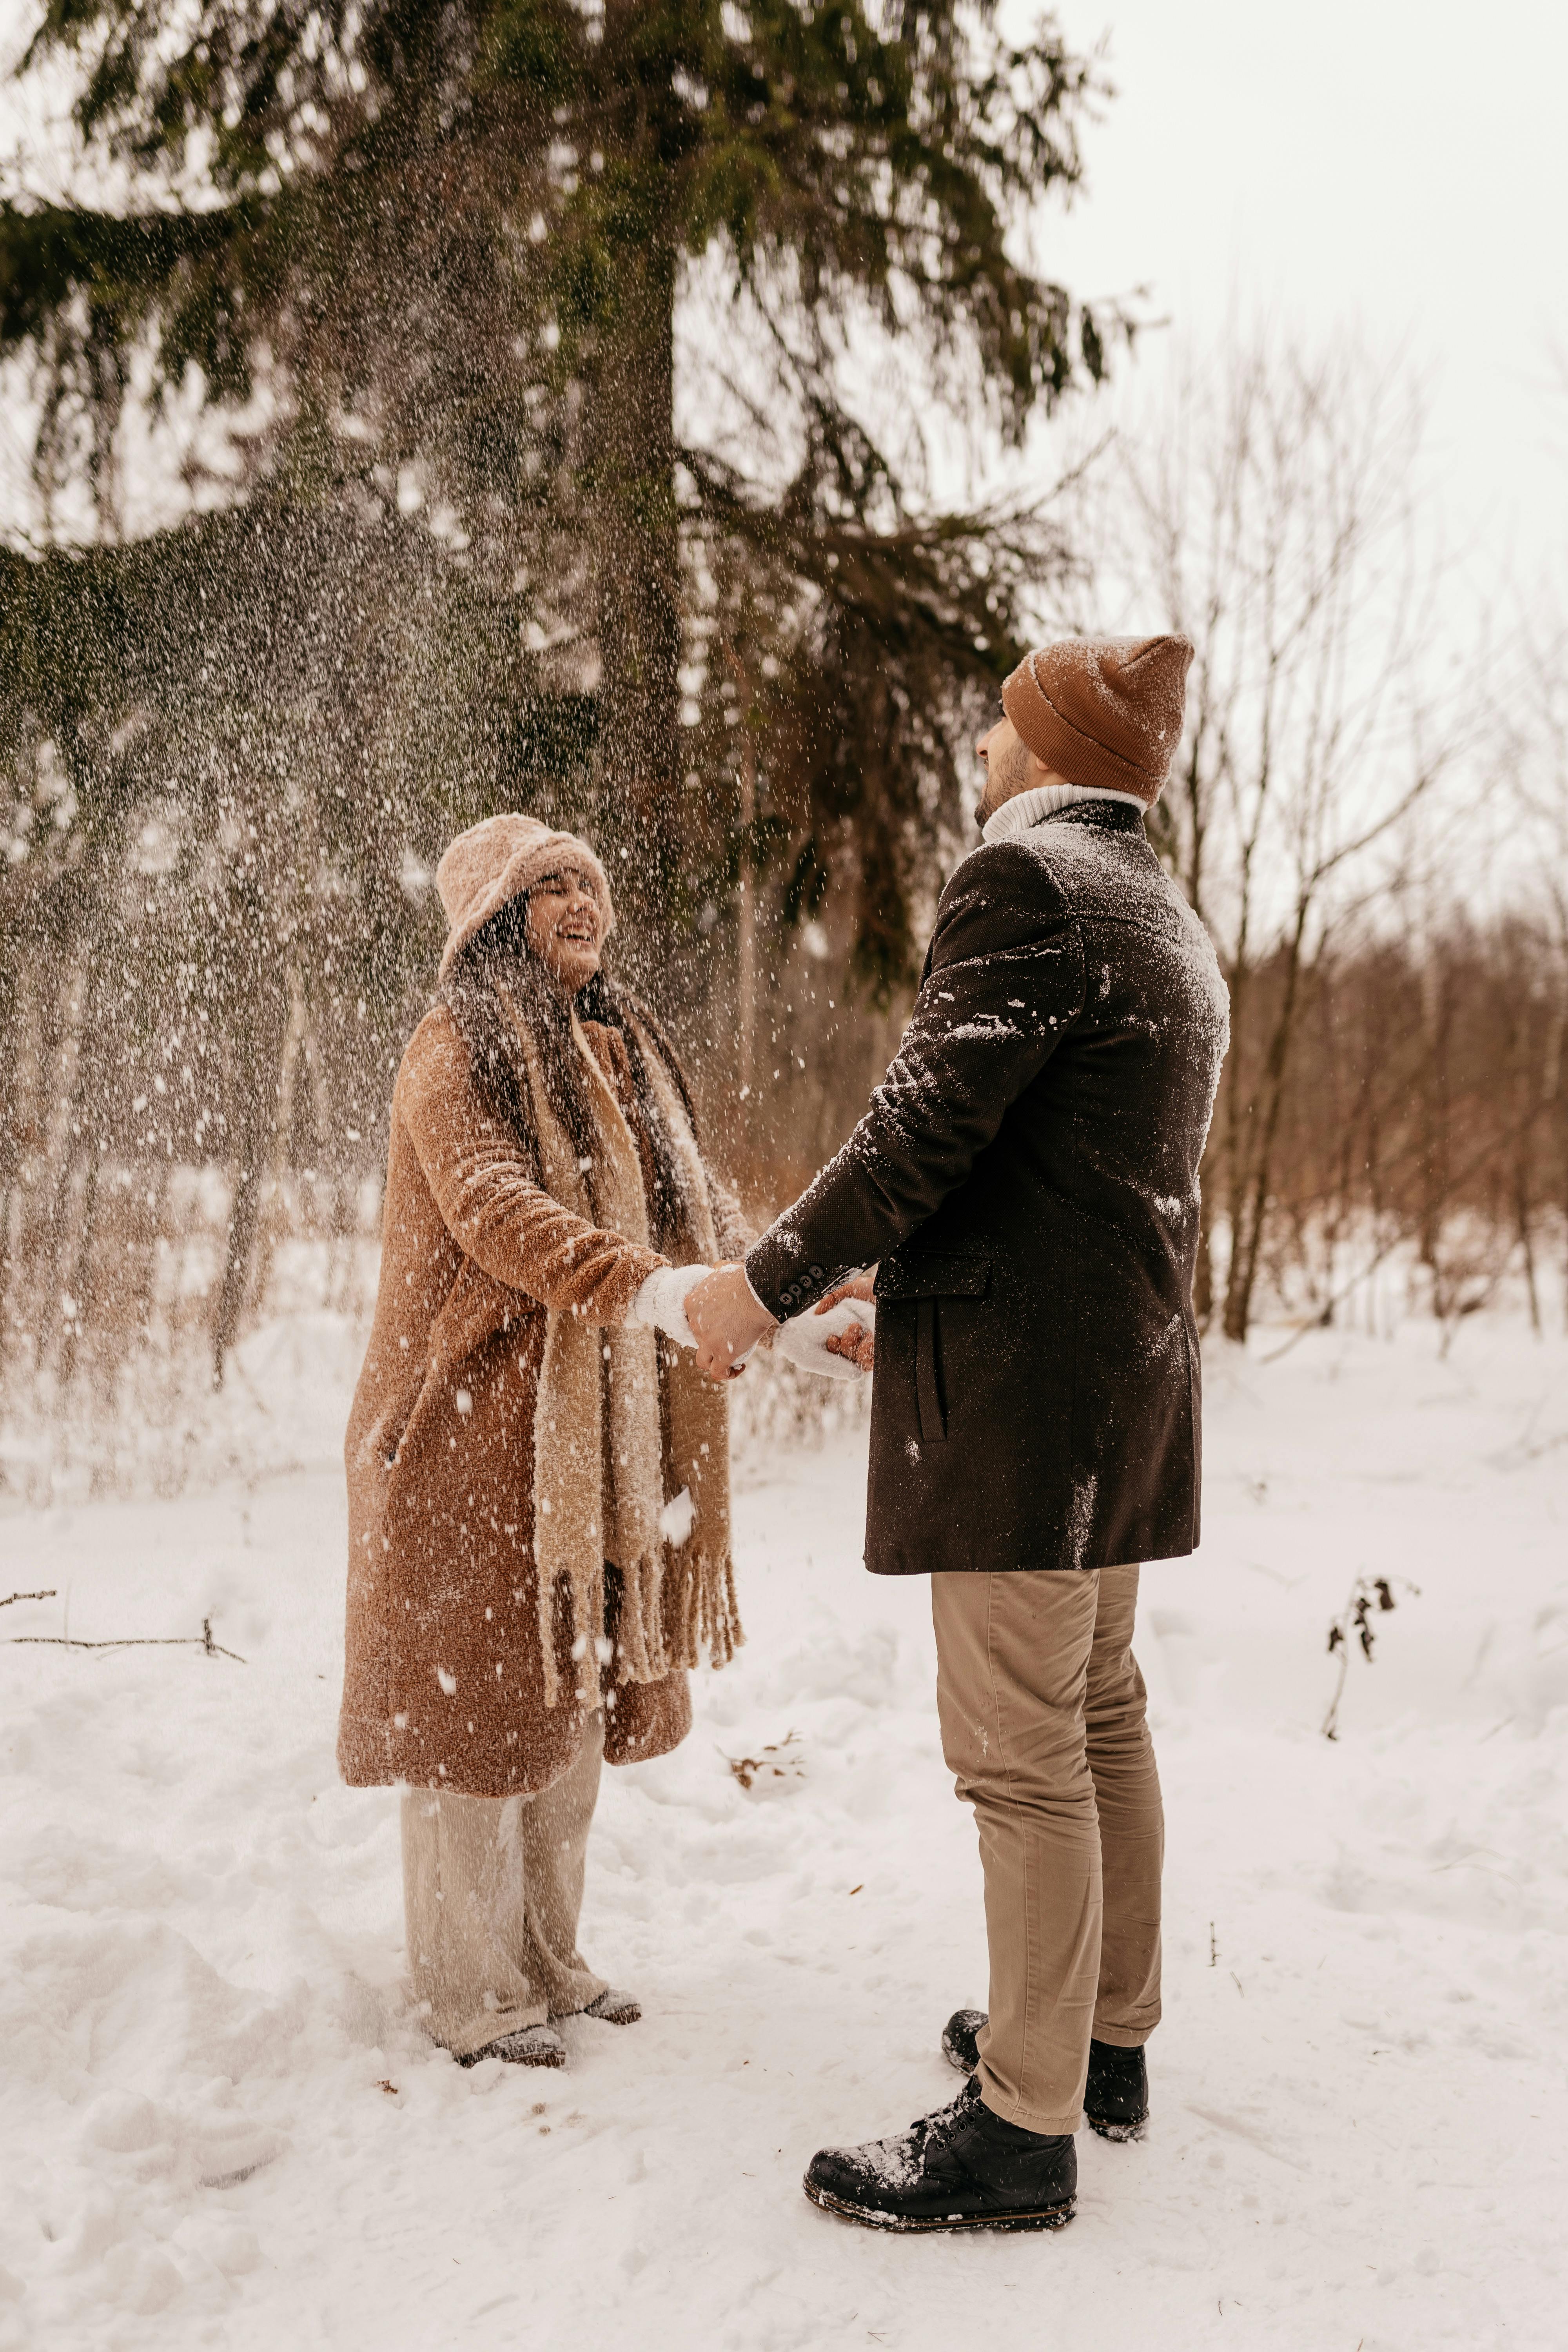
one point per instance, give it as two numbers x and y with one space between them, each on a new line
565 926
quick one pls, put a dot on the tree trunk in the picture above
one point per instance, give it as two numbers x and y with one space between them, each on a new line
1526 1239
1202 1271
1438 1012
259 1034
273 1226
632 480
239 1241
94 1052
1245 1245
10 1114
746 942
74 1067
1556 1098
1237 1110
81 1275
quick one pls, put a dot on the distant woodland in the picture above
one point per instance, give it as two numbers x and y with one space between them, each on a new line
504 368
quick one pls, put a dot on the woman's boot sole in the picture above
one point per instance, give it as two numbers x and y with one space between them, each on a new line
1045 2217
513 2058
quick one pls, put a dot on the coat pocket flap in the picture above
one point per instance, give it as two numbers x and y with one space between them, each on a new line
934 1277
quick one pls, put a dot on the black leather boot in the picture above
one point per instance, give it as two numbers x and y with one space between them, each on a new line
1115 2098
962 2169
961 2039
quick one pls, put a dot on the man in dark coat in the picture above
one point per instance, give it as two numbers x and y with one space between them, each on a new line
1026 1184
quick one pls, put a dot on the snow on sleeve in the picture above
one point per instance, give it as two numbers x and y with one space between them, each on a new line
1004 981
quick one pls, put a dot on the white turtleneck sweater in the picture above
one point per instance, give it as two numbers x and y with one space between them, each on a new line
1025 809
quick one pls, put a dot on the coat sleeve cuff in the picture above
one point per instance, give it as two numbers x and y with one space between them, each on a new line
640 1265
780 1280
661 1303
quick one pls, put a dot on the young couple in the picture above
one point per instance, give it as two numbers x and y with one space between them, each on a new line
538 1472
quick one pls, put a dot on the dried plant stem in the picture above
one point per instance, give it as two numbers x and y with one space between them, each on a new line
1367 1595
202 1640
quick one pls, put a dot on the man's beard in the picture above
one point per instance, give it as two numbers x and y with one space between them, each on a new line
1010 774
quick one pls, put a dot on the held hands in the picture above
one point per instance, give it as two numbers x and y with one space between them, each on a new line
726 1321
857 1344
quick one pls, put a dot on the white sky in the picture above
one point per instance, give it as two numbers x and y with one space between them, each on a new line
1400 164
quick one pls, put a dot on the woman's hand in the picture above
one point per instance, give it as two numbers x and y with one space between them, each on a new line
857 1345
726 1321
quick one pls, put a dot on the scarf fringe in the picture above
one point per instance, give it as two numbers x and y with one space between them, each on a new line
671 1613
585 1620
700 1610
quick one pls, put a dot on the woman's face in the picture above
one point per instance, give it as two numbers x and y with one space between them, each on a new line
566 929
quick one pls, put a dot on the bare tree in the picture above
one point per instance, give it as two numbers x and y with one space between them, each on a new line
1542 783
1271 511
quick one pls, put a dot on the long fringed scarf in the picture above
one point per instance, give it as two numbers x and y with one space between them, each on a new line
600 1462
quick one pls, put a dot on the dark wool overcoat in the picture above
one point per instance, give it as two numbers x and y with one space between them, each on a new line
1028 1177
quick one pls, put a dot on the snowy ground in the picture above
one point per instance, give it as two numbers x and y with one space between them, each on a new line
219 2130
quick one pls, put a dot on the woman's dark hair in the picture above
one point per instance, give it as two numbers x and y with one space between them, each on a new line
501 950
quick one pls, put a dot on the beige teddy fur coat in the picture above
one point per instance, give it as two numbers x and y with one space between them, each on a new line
474 1655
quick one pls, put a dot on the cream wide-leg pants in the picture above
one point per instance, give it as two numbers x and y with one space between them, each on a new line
1043 1715
493 1891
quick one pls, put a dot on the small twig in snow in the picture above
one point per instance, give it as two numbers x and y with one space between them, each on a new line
202 1640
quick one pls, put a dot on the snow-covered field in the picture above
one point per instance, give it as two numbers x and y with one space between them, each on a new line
219 2129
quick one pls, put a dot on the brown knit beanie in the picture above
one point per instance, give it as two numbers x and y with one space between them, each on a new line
497 860
1104 712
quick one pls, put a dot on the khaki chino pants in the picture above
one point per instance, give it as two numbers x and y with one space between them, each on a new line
493 1891
1043 1715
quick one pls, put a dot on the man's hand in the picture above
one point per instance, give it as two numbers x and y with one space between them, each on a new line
856 1345
726 1321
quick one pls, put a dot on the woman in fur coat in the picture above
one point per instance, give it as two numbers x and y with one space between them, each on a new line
539 1538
